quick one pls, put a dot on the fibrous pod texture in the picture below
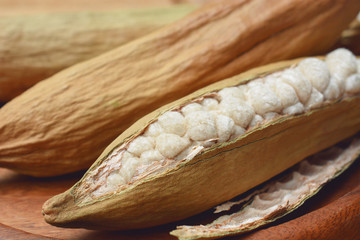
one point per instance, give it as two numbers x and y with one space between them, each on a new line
219 142
21 7
63 124
35 47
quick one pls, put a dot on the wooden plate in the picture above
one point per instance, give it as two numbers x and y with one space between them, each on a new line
334 213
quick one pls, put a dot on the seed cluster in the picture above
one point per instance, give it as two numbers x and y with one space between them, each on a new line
224 115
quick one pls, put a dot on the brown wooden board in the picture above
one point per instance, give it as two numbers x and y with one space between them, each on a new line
333 213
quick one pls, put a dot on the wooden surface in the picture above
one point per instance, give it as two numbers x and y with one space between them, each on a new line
334 212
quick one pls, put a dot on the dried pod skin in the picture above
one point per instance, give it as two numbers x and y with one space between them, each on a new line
33 48
9 8
182 188
71 117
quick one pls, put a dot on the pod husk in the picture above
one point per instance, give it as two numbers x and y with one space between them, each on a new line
63 123
21 7
214 175
33 48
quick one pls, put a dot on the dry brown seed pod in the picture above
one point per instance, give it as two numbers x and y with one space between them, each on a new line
63 123
209 172
33 48
21 7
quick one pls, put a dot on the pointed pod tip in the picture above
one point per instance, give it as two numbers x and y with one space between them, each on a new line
56 209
